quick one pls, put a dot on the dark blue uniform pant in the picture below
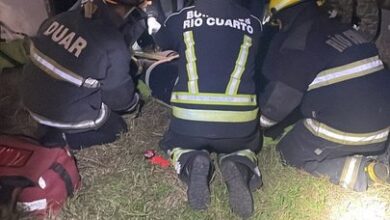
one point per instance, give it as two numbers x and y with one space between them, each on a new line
301 149
107 133
218 145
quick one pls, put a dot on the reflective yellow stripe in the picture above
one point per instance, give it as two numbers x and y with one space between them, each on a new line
321 130
235 77
243 153
213 99
248 154
214 115
176 153
346 72
191 62
350 171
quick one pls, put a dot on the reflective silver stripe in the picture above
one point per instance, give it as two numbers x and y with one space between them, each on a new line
266 122
191 62
103 115
346 72
350 171
214 115
57 71
214 99
235 77
341 137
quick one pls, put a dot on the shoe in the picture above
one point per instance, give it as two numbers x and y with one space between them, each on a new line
198 191
236 177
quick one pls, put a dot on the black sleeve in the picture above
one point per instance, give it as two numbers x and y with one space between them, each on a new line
289 73
166 37
118 86
277 101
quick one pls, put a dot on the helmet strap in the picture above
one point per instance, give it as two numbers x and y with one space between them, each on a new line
89 9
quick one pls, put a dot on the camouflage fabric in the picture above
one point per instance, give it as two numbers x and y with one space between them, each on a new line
363 13
383 42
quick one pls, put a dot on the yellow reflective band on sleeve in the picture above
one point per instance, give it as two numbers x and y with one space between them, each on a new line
55 70
191 62
321 130
213 99
347 72
215 115
350 171
235 77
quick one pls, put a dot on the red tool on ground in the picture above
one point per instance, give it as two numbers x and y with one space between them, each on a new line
155 159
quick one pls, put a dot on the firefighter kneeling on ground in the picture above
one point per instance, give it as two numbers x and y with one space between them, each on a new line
342 88
78 81
214 103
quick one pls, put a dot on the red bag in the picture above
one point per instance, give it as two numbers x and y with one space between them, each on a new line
45 177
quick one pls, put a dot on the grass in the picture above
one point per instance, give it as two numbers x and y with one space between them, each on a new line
118 183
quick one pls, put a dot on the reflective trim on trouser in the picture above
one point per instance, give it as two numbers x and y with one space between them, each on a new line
180 157
247 158
350 172
213 99
243 153
87 124
214 115
346 72
328 133
175 155
347 172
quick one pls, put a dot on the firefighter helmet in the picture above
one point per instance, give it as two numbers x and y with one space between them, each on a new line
124 2
277 5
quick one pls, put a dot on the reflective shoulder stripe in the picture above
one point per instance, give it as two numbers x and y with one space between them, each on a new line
321 130
213 99
192 70
102 117
350 171
235 77
55 70
214 115
346 72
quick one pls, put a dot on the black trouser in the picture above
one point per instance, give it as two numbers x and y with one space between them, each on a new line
183 148
107 133
172 140
161 80
301 149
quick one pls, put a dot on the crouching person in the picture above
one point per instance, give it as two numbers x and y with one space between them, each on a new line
341 85
78 81
213 102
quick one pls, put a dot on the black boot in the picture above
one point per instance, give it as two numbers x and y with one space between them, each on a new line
197 173
237 177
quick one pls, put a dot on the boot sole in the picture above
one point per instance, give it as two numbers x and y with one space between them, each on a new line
240 196
198 192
